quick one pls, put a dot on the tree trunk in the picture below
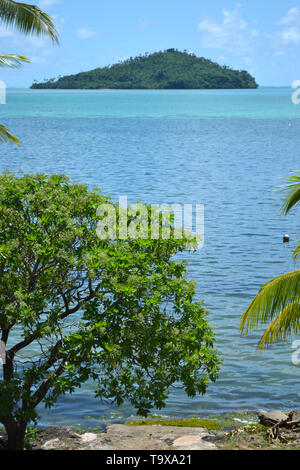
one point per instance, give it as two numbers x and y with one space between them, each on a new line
15 434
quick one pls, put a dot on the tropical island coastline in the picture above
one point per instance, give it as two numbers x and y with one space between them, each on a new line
163 70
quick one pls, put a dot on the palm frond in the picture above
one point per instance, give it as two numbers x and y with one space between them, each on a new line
273 298
296 253
27 18
12 60
293 193
284 325
7 136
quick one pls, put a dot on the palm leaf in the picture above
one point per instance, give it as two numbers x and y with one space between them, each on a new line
273 298
7 136
27 18
12 60
293 189
296 253
284 325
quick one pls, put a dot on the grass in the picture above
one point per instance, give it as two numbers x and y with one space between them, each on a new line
209 424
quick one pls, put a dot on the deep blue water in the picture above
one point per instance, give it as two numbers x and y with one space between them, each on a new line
225 149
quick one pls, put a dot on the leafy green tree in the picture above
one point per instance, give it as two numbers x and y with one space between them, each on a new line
28 19
279 299
74 307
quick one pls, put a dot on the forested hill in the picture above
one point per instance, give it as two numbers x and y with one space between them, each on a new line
170 69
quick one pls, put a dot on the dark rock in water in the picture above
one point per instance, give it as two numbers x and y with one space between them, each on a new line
272 417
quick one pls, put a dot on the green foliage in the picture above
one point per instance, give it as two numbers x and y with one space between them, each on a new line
7 136
279 299
170 69
12 60
119 312
28 19
30 436
209 424
293 193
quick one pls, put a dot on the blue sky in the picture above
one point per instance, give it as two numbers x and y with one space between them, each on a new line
262 36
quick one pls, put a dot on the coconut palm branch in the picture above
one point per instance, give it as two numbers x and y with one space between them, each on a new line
293 193
278 301
12 60
7 136
292 200
285 324
28 19
296 253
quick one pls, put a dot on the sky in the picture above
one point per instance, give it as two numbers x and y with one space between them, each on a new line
261 36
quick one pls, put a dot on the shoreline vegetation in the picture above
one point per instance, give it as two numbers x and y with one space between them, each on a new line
163 70
243 430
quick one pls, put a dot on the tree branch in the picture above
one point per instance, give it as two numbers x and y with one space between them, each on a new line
45 386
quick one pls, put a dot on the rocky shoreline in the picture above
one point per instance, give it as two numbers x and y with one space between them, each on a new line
271 431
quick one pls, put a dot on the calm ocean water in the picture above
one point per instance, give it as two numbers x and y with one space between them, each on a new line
225 149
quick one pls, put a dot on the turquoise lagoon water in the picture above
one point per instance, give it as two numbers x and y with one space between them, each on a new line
225 149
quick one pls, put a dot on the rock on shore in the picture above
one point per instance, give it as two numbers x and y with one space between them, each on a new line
122 437
243 431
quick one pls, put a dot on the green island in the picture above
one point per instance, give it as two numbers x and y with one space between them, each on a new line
170 69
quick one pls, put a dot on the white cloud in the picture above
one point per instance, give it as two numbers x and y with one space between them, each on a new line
86 33
291 18
290 35
232 33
